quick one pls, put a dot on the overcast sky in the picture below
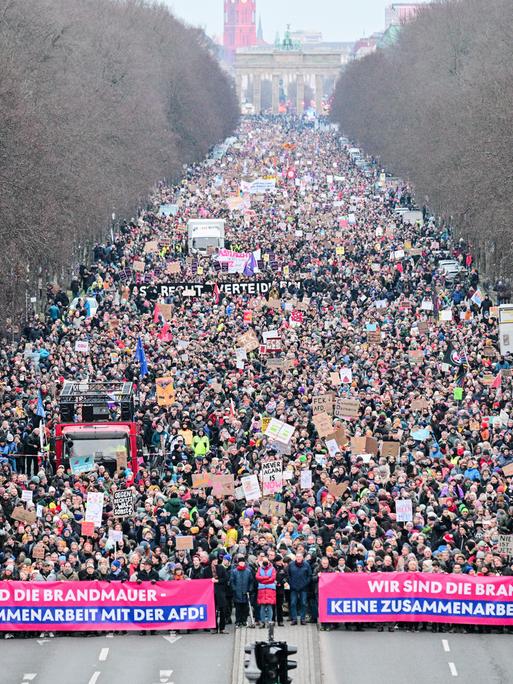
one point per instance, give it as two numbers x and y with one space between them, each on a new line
344 20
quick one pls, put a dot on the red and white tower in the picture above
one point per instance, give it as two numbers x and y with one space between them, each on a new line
240 28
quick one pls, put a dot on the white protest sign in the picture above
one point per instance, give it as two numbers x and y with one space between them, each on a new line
346 376
279 431
306 479
404 510
82 346
272 477
115 536
251 487
26 495
94 508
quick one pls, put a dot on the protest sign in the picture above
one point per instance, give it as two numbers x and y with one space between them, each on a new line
279 431
416 356
102 606
22 515
419 404
391 449
323 403
404 510
165 391
115 536
374 337
347 408
508 470
364 445
201 480
306 479
248 341
184 542
323 424
123 503
138 266
346 376
271 507
271 474
39 551
26 495
86 528
415 597
173 268
251 487
151 247
506 544
223 485
335 379
81 464
82 346
339 436
337 490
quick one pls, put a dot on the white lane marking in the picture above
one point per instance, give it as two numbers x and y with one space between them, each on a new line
42 641
164 676
109 636
446 646
172 639
94 678
452 668
103 654
30 676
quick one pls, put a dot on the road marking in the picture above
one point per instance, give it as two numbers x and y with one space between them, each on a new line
109 636
446 646
452 668
172 639
103 654
29 676
94 678
42 641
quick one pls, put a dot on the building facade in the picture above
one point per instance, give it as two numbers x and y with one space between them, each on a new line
240 28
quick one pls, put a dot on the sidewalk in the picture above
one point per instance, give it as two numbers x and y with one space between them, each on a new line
304 637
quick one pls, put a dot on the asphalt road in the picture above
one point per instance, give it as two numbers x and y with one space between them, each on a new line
424 658
130 659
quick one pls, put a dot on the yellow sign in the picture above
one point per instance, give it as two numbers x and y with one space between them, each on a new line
165 391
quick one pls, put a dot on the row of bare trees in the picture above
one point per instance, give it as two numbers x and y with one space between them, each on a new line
436 109
99 99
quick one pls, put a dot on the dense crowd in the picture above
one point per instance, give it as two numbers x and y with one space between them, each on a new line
355 289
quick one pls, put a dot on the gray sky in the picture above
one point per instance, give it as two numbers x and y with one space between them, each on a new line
345 20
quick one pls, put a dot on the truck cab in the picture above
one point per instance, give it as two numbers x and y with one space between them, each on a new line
203 234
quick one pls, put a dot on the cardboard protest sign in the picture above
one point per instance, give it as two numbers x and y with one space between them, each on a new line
121 457
271 507
337 490
272 477
339 436
200 480
358 445
251 487
248 341
508 469
374 337
323 424
184 542
335 379
166 311
138 266
173 268
404 510
423 327
38 552
347 408
223 485
86 528
22 515
416 356
390 449
151 246
419 404
165 391
323 403
123 503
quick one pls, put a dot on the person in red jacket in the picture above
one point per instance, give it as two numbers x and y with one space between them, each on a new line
266 594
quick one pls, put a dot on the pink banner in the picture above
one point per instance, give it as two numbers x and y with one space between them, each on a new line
415 597
86 606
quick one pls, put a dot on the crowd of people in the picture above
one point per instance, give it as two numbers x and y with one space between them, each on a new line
354 288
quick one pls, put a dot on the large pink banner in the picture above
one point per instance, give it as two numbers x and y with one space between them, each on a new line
86 606
415 597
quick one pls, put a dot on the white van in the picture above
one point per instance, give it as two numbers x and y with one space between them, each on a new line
205 233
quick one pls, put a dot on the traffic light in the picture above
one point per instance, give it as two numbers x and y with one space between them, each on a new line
251 669
285 663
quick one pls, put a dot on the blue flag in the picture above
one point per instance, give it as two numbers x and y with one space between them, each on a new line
140 356
40 410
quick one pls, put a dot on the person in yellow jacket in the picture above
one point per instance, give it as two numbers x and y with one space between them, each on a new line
200 444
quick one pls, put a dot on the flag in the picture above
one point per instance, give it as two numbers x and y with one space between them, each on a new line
496 384
216 293
454 358
251 266
40 410
156 316
296 316
477 297
141 357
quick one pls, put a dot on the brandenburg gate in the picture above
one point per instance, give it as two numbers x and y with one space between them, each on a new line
282 66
